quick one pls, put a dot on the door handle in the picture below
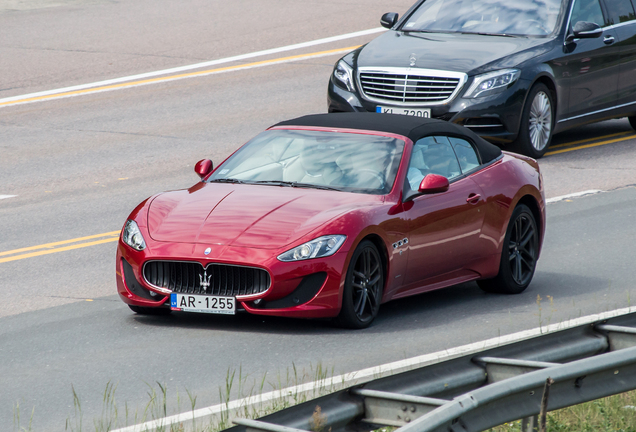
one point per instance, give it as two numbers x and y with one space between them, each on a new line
608 40
473 198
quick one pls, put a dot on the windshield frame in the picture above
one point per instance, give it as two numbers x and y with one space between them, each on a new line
558 24
394 162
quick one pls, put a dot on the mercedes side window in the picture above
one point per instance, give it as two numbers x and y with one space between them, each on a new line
588 11
432 155
466 154
620 11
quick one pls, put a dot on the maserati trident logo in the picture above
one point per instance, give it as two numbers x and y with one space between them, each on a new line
204 280
412 60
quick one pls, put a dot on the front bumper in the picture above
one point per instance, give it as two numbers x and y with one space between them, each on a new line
304 289
495 118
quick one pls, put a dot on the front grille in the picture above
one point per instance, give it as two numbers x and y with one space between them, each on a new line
225 280
410 86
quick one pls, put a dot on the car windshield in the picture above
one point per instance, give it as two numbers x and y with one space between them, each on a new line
491 17
350 162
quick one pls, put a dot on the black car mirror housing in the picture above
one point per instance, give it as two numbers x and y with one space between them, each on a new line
584 30
389 19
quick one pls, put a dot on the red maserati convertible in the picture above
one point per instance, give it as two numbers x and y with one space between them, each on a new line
331 215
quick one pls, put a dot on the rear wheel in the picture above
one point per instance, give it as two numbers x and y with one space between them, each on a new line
518 256
363 288
150 311
537 123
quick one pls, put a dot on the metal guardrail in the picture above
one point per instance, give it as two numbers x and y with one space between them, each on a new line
477 392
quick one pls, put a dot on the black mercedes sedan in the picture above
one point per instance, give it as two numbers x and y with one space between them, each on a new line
513 71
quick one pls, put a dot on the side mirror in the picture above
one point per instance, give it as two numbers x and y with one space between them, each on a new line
389 19
584 30
433 183
203 167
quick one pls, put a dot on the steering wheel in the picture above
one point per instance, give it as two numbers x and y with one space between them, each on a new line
373 174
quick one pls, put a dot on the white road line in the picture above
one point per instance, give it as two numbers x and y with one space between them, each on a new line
573 195
372 373
196 65
180 77
7 196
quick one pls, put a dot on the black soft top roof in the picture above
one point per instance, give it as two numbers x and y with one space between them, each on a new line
412 127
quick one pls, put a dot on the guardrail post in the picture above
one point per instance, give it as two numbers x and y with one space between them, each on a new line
544 405
530 424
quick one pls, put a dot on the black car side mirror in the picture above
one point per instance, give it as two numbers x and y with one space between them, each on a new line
584 30
389 19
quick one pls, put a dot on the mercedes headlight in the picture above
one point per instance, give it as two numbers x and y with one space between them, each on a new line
344 73
132 236
492 82
319 248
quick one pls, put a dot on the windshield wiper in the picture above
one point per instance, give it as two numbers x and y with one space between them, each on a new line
270 182
290 184
313 186
491 34
226 180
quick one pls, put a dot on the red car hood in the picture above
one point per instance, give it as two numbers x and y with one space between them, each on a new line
267 217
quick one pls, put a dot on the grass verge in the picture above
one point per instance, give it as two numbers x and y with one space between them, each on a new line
612 414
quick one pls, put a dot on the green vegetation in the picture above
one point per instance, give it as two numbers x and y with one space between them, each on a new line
613 414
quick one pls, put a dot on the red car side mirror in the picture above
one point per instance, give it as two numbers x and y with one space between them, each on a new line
203 167
434 183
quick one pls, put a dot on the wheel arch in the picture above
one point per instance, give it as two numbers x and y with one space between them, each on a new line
379 243
531 202
545 78
548 81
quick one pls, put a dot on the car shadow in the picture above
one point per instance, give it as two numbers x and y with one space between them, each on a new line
426 311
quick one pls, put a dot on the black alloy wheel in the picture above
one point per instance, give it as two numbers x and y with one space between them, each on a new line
537 123
518 256
363 288
150 311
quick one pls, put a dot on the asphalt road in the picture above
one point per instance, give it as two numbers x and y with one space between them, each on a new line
79 165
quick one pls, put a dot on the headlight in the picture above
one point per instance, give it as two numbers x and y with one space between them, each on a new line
318 248
344 74
132 236
492 82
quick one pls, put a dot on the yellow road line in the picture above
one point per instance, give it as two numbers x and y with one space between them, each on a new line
179 76
62 249
52 245
590 140
596 144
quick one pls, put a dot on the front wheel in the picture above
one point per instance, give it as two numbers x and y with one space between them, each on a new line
537 123
518 256
364 284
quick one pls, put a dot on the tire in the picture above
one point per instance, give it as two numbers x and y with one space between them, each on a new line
150 311
518 256
632 122
364 285
537 123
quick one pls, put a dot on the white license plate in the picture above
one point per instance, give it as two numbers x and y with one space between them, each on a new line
203 303
415 112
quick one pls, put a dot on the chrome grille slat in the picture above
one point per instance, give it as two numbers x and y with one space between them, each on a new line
409 86
226 280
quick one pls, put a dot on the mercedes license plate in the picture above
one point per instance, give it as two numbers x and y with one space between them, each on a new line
203 303
415 112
